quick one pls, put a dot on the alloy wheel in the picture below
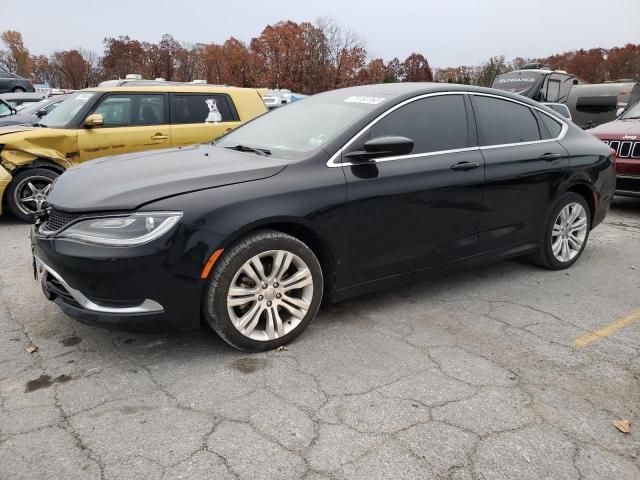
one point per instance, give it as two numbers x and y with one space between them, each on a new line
569 232
31 194
270 295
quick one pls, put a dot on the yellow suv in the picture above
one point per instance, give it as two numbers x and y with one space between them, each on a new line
109 121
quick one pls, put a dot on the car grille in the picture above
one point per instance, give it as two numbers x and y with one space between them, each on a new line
57 220
625 149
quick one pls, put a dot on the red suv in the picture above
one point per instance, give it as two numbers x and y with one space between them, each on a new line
623 136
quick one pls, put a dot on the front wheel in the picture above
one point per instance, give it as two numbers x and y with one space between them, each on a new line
27 192
18 90
566 233
264 291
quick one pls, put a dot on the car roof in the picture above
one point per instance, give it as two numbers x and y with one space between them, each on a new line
410 89
194 88
25 95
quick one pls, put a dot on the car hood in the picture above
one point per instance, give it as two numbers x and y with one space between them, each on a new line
617 129
126 182
6 130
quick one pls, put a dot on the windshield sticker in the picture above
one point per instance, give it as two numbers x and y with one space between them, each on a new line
214 114
369 100
83 96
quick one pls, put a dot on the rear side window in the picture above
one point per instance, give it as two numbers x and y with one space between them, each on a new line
502 122
553 126
201 108
434 124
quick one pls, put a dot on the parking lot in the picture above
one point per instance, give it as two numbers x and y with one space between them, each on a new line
487 374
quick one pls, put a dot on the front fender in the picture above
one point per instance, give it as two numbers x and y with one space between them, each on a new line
5 179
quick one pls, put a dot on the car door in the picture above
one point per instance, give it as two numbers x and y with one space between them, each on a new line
132 122
5 81
200 117
523 164
419 210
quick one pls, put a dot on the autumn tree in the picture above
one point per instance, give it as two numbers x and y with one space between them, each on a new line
623 62
42 71
346 52
14 56
122 56
394 71
278 55
463 75
416 69
374 72
489 70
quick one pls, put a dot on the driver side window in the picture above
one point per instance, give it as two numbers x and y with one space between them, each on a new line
115 110
129 110
434 124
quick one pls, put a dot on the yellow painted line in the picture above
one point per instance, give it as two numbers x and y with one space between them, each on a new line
607 330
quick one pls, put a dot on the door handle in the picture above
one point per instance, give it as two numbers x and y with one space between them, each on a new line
159 136
464 166
550 157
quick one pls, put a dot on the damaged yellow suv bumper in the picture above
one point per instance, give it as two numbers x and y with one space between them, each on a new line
5 178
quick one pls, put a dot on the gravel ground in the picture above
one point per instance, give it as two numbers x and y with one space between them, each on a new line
475 376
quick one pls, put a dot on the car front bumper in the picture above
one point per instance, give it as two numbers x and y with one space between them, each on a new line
628 185
153 285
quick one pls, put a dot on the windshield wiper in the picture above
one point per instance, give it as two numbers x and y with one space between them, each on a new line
38 124
263 152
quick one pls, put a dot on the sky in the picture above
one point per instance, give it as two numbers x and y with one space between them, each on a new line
446 32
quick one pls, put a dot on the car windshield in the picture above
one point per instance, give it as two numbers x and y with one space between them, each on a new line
66 110
295 130
517 82
632 113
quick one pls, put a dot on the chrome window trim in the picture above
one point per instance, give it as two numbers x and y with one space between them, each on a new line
334 162
147 306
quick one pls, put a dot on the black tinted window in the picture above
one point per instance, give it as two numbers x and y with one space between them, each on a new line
209 108
125 110
553 127
434 124
501 121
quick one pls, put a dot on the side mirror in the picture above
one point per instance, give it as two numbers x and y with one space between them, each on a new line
382 147
93 120
619 112
41 113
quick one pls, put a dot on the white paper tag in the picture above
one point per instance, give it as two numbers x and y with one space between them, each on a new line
369 100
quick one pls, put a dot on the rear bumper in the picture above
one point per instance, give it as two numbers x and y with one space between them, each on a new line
5 178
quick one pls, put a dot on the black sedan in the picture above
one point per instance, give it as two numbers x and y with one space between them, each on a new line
332 196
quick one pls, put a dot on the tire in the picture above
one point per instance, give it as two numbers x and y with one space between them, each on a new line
254 308
19 189
18 90
555 230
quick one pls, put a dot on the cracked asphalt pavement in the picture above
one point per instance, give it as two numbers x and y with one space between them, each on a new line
474 376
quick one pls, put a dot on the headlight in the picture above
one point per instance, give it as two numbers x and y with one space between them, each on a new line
125 231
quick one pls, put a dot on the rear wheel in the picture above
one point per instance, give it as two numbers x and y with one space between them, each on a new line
264 291
566 233
27 192
18 90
